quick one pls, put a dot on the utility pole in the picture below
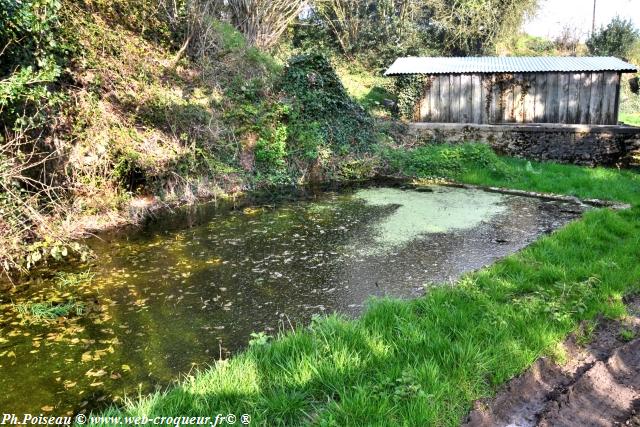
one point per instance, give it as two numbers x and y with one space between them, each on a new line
593 22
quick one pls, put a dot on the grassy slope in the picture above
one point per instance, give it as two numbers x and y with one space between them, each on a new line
601 183
141 127
366 87
423 362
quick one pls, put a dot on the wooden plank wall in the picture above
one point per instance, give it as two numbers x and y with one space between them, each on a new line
580 98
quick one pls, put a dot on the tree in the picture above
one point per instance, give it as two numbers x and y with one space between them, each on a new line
616 39
401 27
357 25
263 21
568 39
344 19
467 27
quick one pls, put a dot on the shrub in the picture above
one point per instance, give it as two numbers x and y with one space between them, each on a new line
616 39
271 149
445 160
33 47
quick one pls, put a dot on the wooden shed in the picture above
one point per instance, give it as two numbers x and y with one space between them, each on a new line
492 90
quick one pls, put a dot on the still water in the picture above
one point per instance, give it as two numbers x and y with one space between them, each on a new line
185 290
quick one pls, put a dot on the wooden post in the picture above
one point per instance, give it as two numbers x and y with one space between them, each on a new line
455 98
617 112
484 93
518 104
495 115
466 98
477 108
424 112
541 95
573 107
610 88
552 101
507 101
530 98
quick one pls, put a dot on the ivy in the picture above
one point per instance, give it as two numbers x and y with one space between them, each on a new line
32 51
320 100
409 90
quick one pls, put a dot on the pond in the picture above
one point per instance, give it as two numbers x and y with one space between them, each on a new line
182 291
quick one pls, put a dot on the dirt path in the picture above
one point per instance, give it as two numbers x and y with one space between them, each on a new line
598 386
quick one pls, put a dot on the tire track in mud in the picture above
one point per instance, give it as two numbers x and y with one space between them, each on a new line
598 386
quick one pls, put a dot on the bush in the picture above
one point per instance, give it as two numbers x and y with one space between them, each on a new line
271 149
445 160
32 50
616 39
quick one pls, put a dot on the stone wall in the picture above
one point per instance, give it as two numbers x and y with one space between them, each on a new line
579 144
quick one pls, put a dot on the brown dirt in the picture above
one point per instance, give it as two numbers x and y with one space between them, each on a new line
599 385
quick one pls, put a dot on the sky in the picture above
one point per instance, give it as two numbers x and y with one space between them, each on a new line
555 14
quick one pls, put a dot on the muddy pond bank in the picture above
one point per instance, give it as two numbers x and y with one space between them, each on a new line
193 286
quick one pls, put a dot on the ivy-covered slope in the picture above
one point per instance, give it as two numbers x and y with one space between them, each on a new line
122 121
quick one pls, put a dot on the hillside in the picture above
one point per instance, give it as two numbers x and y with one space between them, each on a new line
138 123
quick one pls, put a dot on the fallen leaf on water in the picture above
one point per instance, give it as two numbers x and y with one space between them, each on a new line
98 373
126 368
47 408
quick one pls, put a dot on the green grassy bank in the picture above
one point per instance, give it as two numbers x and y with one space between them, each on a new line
632 119
424 362
478 164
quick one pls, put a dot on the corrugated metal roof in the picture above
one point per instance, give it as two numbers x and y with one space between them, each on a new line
506 64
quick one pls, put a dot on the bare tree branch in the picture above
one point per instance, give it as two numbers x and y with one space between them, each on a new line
263 21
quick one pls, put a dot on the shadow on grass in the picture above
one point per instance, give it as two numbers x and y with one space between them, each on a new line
376 97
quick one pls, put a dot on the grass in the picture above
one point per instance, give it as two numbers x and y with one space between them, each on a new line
368 89
42 312
424 361
478 164
632 119
66 280
627 335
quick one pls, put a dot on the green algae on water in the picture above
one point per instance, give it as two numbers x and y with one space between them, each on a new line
419 213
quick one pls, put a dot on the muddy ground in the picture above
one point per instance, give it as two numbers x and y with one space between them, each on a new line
599 385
